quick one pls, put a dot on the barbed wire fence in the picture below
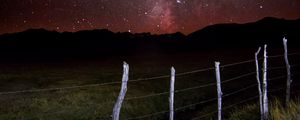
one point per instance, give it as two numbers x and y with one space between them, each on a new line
152 78
177 91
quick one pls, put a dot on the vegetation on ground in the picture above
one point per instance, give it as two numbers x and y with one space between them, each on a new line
277 111
94 103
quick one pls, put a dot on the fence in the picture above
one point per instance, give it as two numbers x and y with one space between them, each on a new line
173 91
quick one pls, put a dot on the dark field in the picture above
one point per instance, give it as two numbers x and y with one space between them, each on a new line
96 102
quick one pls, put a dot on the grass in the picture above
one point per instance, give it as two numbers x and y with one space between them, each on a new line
291 112
96 103
277 111
76 104
92 103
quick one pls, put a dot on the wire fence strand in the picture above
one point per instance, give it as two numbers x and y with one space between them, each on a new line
194 104
282 67
192 88
151 78
176 91
148 115
146 96
208 100
240 90
194 71
248 61
277 78
237 63
291 54
238 77
59 88
138 80
112 83
282 88
243 101
224 108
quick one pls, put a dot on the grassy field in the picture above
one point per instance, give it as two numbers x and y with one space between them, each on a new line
96 103
277 111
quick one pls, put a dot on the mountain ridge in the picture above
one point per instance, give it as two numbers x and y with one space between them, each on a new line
265 19
103 42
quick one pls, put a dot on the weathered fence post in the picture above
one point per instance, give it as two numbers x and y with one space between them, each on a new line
171 99
265 96
259 85
118 104
288 67
217 67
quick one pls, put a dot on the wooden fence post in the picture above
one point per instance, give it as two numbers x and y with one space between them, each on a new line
265 96
217 68
288 67
118 104
259 85
171 99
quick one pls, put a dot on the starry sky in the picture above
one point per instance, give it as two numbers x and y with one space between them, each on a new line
136 16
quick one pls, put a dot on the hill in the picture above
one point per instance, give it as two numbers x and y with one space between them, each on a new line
266 31
41 43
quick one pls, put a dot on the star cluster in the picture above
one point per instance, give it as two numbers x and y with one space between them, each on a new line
155 16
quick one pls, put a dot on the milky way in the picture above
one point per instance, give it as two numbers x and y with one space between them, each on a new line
161 16
155 16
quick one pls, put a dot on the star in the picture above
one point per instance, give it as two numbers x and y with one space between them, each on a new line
156 16
260 6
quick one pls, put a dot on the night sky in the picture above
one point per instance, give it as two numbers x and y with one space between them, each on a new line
155 16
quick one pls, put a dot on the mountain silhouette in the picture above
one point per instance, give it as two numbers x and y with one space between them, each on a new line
266 31
41 43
